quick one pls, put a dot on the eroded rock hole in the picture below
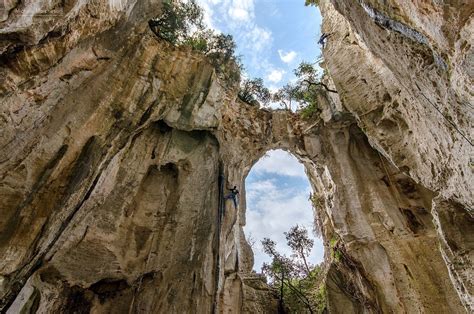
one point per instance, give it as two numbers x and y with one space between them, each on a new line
279 217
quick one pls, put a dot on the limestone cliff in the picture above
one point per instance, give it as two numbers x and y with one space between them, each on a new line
116 148
404 70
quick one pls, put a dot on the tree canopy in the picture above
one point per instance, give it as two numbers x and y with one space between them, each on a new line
254 90
311 3
302 93
297 281
181 24
177 21
300 243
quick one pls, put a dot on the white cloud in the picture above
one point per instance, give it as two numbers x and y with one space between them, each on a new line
256 42
237 17
272 210
239 14
275 76
287 57
281 163
241 10
263 185
209 12
257 38
273 89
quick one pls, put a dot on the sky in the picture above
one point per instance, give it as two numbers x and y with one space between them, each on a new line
277 191
272 36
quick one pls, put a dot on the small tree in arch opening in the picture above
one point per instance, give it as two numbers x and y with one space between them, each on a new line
300 243
298 282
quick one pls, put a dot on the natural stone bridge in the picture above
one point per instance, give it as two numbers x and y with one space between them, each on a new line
113 142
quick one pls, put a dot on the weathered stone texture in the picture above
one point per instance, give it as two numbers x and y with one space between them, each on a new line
404 70
116 148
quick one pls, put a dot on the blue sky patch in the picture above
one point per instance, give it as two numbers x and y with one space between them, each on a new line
277 198
273 37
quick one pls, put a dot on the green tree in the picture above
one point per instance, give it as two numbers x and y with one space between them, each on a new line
299 283
286 96
181 23
311 3
309 78
221 47
253 90
300 243
304 91
177 21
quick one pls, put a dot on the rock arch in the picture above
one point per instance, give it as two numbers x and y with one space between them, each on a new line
372 207
109 167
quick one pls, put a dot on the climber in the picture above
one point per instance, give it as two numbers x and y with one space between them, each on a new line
233 195
323 38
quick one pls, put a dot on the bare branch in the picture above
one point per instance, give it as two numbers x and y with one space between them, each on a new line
320 84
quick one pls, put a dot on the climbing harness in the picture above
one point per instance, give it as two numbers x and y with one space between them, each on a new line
323 39
232 197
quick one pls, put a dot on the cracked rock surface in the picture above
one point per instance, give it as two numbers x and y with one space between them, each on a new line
116 147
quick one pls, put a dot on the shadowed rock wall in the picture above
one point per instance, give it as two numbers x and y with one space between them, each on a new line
113 144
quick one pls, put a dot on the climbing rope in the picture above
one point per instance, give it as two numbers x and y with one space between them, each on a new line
444 117
390 180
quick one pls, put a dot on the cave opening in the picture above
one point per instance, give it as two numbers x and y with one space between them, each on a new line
278 198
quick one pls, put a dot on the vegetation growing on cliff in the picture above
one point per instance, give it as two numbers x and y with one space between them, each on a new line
300 284
303 92
178 20
311 3
181 24
253 91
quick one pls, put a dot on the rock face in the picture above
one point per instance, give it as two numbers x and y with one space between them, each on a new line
117 149
404 70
